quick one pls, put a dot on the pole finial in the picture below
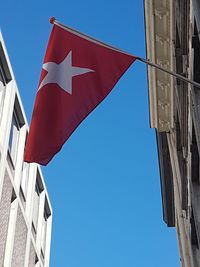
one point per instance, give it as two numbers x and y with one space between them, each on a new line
52 20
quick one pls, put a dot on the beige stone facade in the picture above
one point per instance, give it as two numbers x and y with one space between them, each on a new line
172 41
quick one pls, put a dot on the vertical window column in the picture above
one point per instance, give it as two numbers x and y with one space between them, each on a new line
14 138
46 215
36 205
2 93
5 77
24 182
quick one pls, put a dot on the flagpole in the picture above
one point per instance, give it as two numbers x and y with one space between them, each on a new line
180 77
88 37
146 61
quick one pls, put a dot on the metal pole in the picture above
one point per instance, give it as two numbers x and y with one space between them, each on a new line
146 61
169 72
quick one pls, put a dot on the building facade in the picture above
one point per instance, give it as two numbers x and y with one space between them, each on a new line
172 41
25 210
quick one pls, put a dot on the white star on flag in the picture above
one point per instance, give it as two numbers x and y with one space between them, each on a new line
62 73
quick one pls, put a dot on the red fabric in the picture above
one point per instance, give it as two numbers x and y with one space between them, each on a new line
57 113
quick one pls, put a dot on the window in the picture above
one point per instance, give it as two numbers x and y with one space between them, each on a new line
46 215
14 137
25 174
196 47
2 94
36 205
194 238
2 81
38 189
5 77
24 179
44 232
16 125
36 259
194 158
33 230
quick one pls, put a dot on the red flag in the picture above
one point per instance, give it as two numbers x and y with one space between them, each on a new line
77 74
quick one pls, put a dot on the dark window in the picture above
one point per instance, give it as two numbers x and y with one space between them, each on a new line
25 176
194 238
196 47
46 215
195 158
14 137
2 80
5 75
16 124
38 189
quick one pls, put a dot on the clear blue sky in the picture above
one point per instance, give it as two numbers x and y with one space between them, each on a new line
104 185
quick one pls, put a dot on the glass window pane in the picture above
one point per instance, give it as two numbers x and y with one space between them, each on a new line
44 232
1 77
36 205
24 181
14 137
2 95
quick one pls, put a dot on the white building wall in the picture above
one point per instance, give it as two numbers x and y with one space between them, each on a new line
21 243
